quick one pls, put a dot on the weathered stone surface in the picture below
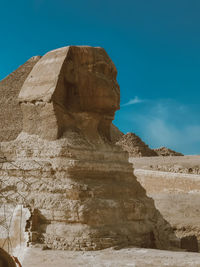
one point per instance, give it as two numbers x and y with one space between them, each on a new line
116 134
10 112
133 144
79 187
190 243
84 199
71 88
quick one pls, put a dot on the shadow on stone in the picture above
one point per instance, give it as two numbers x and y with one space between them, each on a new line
5 259
190 243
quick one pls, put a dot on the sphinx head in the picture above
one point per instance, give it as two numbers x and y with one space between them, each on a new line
72 88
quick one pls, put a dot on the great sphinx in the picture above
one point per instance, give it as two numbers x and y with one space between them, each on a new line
80 188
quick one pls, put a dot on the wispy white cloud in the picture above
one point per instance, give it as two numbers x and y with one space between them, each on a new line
165 122
164 133
133 101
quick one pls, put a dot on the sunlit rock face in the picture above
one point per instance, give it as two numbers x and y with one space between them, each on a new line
80 188
71 88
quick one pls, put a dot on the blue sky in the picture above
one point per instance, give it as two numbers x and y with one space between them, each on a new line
155 45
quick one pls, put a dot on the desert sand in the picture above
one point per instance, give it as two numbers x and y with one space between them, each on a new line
130 257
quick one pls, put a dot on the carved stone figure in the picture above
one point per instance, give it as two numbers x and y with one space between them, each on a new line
71 88
81 185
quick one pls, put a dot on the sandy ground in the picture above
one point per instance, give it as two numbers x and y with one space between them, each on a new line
132 257
179 209
184 161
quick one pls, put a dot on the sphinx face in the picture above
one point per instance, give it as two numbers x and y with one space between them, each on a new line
90 81
71 89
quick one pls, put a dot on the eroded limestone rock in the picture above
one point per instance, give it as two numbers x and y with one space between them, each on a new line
71 89
79 186
133 144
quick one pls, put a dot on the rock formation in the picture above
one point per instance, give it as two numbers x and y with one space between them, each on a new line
79 187
116 134
133 144
164 151
11 115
